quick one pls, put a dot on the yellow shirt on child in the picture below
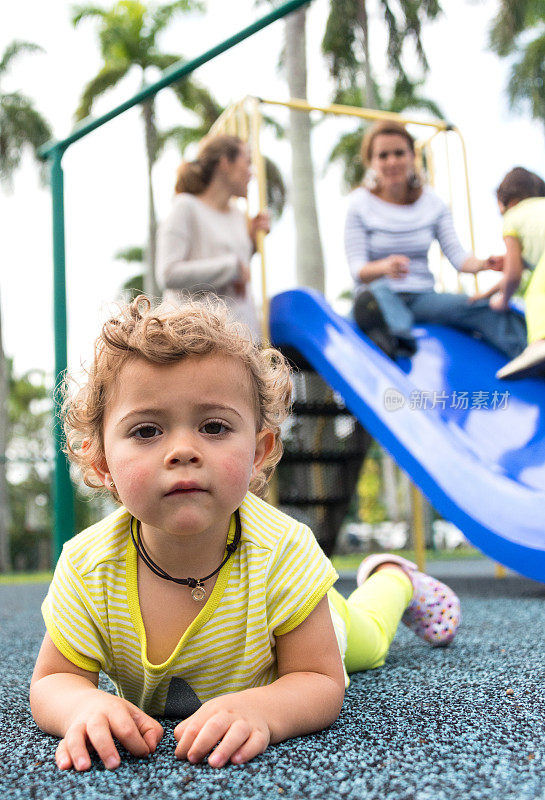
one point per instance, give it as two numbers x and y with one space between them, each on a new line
526 222
272 582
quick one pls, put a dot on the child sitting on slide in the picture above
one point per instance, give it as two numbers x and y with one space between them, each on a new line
521 199
197 598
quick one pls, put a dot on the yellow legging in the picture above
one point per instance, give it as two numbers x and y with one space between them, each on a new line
534 299
371 615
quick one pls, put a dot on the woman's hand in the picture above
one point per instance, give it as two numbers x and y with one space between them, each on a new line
232 726
242 280
472 264
261 222
495 262
396 266
99 717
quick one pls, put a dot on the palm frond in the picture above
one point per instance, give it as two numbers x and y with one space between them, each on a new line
162 15
527 82
276 189
511 19
131 254
278 129
107 78
79 13
163 60
181 135
196 98
347 152
20 126
15 49
406 96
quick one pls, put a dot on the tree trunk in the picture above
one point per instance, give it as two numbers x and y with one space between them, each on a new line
310 259
369 94
5 561
150 282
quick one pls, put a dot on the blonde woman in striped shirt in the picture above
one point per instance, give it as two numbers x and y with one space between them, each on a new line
198 599
391 223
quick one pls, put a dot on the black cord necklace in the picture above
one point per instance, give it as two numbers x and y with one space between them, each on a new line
198 592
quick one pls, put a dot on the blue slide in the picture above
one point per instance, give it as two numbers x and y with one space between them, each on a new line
474 445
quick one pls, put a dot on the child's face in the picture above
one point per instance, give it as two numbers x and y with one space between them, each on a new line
180 442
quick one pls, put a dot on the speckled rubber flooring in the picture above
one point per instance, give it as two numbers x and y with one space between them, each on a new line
465 722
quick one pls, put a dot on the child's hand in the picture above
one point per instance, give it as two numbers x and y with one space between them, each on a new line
234 721
94 723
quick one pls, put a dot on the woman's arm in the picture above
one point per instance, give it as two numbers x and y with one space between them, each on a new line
451 246
177 266
357 253
394 266
65 701
306 697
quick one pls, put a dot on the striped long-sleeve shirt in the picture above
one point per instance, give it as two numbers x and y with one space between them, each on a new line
273 581
376 229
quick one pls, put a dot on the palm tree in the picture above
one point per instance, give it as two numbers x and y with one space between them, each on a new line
346 47
21 126
128 34
346 43
309 254
518 28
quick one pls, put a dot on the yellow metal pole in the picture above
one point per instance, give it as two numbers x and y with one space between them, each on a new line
261 175
363 113
499 571
243 126
468 196
418 528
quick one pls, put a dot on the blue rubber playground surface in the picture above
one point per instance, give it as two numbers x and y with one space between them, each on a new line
467 721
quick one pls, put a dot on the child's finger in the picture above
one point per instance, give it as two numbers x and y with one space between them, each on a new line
179 729
76 747
238 733
150 730
98 731
196 745
186 733
256 743
62 756
124 728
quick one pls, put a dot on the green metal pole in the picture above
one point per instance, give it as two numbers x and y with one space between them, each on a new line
63 505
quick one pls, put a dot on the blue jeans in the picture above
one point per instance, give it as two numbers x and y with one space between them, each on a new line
505 330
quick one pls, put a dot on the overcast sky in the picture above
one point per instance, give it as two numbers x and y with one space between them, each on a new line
105 190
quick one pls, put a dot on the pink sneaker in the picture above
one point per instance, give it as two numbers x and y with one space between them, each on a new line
434 611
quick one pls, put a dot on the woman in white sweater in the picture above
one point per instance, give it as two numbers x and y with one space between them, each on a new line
391 222
205 243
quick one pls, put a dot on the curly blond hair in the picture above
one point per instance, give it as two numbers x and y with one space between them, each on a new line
165 335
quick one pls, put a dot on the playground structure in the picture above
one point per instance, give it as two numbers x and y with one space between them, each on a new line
481 465
482 468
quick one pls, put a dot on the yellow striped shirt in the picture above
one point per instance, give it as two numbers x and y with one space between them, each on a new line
268 587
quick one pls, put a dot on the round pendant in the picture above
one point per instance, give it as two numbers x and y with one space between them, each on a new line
198 593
